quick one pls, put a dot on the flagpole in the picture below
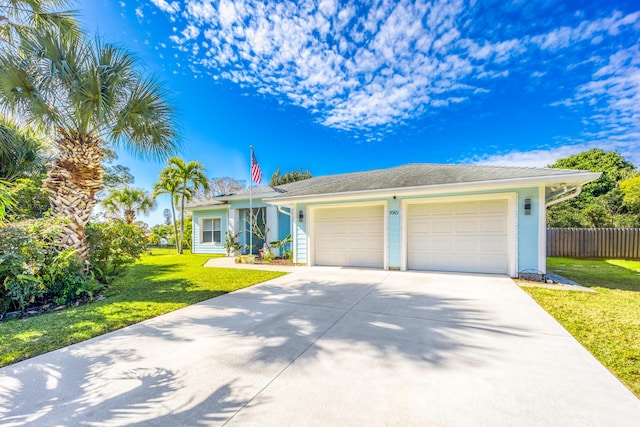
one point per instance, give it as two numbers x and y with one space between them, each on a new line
250 201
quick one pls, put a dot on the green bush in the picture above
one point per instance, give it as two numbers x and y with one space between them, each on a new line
114 245
33 270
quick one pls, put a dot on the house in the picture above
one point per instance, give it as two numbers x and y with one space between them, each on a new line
459 218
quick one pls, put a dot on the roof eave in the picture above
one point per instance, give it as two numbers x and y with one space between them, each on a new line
573 179
206 207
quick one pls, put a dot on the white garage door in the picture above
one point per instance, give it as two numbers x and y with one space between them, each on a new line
462 236
352 237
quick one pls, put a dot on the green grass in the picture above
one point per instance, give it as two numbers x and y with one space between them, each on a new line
607 323
157 284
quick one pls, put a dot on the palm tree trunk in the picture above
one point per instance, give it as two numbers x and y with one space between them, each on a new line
72 183
175 224
182 222
129 216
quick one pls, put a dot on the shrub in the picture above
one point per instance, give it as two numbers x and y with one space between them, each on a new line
268 257
113 245
32 270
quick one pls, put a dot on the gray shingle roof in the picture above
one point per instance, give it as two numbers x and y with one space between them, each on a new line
414 175
406 176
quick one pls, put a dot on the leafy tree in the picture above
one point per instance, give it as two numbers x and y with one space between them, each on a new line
188 178
87 95
288 177
631 194
219 187
129 202
168 219
160 232
601 202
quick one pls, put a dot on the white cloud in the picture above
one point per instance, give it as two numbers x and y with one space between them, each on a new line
139 13
358 67
587 30
533 158
165 6
613 95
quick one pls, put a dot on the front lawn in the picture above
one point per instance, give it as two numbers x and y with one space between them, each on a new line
157 284
607 323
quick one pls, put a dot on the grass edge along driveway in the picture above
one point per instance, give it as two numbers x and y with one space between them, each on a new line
157 284
607 323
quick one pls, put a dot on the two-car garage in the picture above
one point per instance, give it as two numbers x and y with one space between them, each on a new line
441 235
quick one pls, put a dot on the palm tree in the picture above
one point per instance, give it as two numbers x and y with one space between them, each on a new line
128 202
19 17
189 177
87 96
169 185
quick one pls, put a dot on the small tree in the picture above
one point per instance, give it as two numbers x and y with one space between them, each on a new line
288 177
185 179
128 202
168 185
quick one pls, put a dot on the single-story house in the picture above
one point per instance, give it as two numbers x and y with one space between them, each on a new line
442 217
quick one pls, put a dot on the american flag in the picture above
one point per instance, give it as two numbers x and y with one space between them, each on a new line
256 173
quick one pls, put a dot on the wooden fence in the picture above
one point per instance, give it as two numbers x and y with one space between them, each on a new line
594 242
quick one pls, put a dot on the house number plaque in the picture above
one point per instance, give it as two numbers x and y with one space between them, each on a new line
394 212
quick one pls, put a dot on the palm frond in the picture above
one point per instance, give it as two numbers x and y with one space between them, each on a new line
147 123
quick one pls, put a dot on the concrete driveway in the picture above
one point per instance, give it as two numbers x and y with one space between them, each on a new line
329 346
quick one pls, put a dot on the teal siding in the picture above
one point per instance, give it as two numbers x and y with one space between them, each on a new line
209 248
394 224
284 225
300 229
528 230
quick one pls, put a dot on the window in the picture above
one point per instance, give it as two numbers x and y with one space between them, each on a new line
211 230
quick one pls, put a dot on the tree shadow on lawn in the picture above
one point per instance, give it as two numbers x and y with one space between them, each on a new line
601 273
204 363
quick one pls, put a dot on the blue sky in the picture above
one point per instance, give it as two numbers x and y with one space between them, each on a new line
339 86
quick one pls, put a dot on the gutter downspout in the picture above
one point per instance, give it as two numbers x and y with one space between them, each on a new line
567 195
282 211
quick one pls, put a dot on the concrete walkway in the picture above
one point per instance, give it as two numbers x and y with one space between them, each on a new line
329 347
230 262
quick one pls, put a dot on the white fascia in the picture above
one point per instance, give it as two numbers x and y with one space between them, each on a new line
207 208
571 179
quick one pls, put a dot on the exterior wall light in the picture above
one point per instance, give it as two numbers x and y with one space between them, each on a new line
527 206
300 216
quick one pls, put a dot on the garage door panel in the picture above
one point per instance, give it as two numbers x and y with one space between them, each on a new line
494 207
493 226
349 236
473 237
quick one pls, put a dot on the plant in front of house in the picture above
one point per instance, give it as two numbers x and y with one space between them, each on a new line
34 273
231 243
283 246
113 246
